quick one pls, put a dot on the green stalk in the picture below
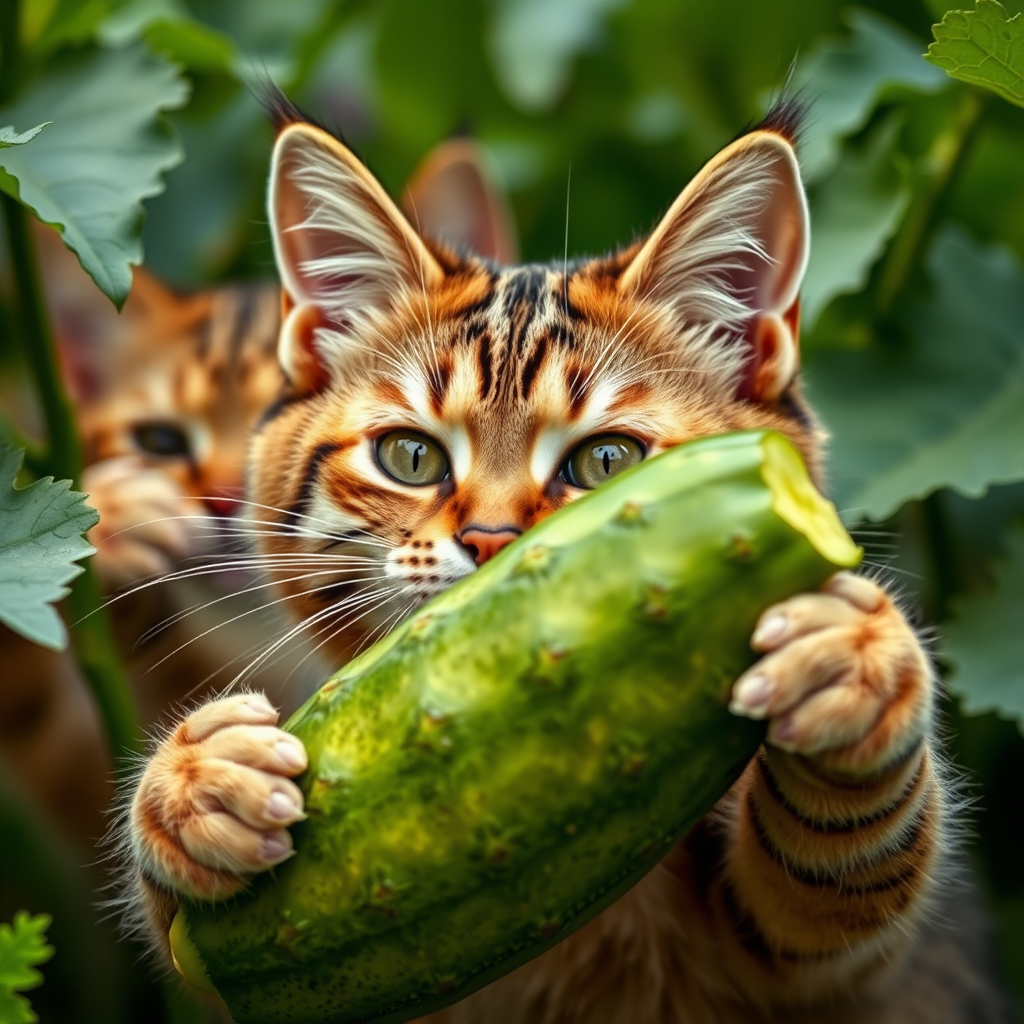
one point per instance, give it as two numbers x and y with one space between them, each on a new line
945 159
91 637
9 22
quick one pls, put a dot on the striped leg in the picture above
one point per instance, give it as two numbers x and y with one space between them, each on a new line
834 831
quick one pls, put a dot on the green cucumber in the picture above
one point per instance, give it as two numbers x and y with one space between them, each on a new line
524 748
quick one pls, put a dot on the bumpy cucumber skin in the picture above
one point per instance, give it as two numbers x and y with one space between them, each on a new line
520 752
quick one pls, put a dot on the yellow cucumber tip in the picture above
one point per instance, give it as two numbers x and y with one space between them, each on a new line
796 500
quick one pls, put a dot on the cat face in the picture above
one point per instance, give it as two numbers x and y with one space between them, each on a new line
441 405
191 380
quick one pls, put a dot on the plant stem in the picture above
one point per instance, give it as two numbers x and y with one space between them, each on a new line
91 636
946 157
10 21
63 456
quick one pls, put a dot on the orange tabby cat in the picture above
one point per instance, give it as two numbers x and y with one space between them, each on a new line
439 405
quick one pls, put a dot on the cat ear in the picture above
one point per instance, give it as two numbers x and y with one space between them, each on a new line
86 325
454 196
344 250
730 255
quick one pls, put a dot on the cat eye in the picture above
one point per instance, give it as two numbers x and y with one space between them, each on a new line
412 458
166 439
600 458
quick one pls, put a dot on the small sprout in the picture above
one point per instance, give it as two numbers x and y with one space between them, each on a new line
382 892
433 717
547 925
497 842
429 731
552 668
632 513
550 655
534 561
289 933
420 626
740 547
654 603
570 829
628 757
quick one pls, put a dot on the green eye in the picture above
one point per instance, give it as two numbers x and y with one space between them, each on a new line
412 458
166 439
600 458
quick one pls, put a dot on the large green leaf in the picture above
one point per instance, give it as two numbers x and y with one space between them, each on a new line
854 213
846 77
41 529
23 948
946 409
104 153
984 642
983 47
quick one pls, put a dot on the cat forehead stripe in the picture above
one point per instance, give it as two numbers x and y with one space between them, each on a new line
515 330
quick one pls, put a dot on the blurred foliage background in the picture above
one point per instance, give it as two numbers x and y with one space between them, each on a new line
913 306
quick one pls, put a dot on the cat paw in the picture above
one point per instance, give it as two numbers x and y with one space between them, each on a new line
214 802
143 527
844 679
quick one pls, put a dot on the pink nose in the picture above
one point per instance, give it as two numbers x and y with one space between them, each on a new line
484 544
221 506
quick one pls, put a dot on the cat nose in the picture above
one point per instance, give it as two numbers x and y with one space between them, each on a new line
221 506
483 543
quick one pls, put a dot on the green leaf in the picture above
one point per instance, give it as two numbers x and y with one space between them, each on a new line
22 948
984 642
855 211
48 25
170 30
533 44
41 528
944 410
847 77
105 152
8 137
982 47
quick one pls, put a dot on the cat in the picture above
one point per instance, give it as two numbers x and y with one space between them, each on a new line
164 397
437 406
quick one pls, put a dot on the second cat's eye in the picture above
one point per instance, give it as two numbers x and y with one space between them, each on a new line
165 439
412 458
600 458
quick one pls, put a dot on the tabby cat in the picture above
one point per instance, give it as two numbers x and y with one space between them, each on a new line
437 406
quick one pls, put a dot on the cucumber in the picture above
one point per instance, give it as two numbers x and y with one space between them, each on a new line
524 748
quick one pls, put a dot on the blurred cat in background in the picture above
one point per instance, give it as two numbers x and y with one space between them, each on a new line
165 395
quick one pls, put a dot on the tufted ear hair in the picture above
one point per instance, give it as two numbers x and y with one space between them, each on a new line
729 257
344 250
454 197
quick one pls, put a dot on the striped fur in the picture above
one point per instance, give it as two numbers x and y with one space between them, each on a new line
808 889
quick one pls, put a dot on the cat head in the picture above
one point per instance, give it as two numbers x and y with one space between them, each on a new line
438 404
